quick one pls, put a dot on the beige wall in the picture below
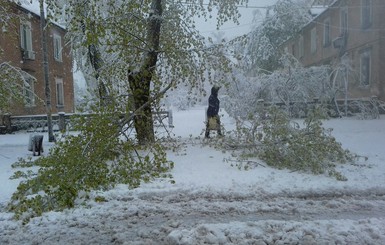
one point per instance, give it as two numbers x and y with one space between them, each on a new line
358 39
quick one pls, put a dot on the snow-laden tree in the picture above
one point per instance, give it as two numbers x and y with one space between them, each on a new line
13 81
283 20
13 85
292 86
142 48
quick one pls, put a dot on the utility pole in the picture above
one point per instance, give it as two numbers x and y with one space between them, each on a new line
48 106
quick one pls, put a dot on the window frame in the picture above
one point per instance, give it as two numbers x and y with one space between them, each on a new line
57 48
365 67
59 85
26 42
301 46
327 32
313 40
344 20
366 14
28 93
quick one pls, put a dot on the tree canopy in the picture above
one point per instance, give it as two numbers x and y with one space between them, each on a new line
139 48
263 45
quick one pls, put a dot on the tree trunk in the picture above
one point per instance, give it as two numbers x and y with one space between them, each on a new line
140 81
143 121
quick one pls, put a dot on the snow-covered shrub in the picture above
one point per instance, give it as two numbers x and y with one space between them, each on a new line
95 159
366 109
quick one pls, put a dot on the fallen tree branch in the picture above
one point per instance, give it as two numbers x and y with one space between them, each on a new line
248 162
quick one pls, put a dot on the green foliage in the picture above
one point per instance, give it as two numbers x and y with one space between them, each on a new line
311 148
284 144
95 159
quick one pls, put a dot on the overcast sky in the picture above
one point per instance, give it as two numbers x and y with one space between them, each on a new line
255 8
231 29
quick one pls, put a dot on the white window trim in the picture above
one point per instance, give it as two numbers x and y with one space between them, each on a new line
57 48
59 92
29 91
26 40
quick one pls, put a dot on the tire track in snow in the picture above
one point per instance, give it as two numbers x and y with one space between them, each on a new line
150 218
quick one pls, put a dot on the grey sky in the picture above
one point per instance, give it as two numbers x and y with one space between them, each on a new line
231 29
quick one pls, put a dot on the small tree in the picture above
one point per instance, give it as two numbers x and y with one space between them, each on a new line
13 82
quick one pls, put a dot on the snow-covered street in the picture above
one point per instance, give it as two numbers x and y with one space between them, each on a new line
213 202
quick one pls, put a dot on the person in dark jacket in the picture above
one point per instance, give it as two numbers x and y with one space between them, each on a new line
212 113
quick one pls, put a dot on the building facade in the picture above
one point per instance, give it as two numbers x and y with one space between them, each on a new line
350 33
21 46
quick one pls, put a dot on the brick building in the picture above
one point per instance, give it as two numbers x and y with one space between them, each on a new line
351 31
20 43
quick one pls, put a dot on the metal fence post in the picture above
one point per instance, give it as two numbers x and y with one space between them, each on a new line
62 121
170 119
7 123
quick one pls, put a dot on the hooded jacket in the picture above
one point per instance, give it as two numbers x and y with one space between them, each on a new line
213 103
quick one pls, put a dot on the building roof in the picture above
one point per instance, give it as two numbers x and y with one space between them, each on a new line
316 10
33 6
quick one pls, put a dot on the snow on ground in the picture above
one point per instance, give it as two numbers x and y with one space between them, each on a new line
215 203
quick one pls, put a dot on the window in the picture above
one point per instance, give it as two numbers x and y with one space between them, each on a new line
28 91
26 41
293 51
313 40
59 92
57 47
344 21
326 40
365 64
366 13
301 50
